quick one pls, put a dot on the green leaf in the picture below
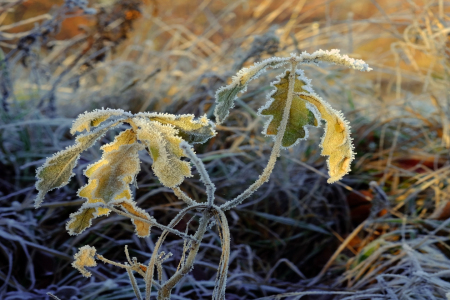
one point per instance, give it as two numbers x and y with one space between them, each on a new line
300 114
57 170
81 220
226 95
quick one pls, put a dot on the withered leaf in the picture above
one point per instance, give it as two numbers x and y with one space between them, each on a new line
85 257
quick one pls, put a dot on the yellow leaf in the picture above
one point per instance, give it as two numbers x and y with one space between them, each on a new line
300 115
142 228
94 118
85 257
336 142
190 130
109 179
164 147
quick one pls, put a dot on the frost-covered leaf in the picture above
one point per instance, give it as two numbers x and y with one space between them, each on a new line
57 170
336 142
164 147
300 114
109 179
333 57
190 130
85 257
94 118
226 95
81 219
142 228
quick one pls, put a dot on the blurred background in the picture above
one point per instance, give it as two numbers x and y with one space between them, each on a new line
380 233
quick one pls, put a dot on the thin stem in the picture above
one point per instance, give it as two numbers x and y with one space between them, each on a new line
133 282
164 292
221 280
264 177
152 223
182 196
53 296
204 177
151 265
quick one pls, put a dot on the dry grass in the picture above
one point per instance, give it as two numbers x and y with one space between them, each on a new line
387 240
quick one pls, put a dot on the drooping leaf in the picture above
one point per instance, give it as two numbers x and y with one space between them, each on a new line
94 118
142 228
163 144
336 142
226 95
85 257
190 130
109 179
57 170
300 114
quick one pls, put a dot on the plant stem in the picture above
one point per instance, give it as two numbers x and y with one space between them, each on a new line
182 196
164 292
151 222
264 177
204 177
151 265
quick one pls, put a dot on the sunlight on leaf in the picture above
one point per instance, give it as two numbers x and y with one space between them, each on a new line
164 147
109 179
94 118
336 142
299 117
85 257
190 130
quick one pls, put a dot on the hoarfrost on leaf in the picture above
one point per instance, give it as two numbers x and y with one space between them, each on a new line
109 179
81 219
85 257
94 118
334 57
57 169
336 142
163 144
300 114
226 95
190 130
142 228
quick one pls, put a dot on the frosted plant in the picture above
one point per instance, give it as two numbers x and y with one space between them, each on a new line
292 106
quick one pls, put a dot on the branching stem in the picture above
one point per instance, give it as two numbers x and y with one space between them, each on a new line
264 177
166 288
151 265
